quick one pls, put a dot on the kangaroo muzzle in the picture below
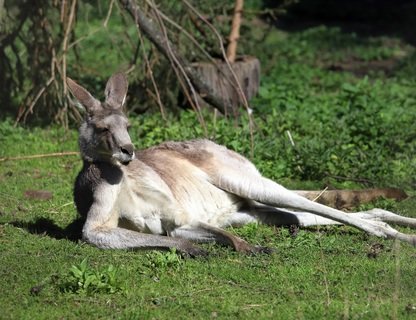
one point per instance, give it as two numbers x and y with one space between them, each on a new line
126 153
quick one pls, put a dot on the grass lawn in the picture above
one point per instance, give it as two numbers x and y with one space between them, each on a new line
348 130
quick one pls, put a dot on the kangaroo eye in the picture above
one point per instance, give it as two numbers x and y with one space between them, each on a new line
103 130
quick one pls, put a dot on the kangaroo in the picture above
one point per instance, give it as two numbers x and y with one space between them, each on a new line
177 194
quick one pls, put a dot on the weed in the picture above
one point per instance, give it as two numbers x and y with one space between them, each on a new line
82 279
159 262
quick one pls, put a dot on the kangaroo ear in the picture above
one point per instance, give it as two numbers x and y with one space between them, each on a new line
83 96
116 90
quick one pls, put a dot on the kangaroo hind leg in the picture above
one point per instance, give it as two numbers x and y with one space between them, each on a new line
204 232
266 191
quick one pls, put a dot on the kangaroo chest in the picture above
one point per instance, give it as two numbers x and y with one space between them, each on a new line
142 205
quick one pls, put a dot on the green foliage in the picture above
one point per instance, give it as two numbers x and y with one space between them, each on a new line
332 44
371 116
341 127
82 279
387 204
257 234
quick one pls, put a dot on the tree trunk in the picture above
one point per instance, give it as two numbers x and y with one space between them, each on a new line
218 76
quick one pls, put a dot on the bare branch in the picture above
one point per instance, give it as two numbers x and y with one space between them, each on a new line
176 63
152 78
240 89
163 44
65 42
183 31
110 10
235 31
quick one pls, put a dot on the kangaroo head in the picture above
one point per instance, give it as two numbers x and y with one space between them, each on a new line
103 135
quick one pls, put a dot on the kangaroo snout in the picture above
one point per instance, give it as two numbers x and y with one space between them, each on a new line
127 153
127 149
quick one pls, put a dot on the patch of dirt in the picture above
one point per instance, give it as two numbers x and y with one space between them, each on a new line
38 194
362 68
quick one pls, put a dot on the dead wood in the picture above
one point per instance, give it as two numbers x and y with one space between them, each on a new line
345 199
219 77
235 31
38 194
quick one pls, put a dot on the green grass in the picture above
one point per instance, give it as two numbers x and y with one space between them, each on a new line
345 129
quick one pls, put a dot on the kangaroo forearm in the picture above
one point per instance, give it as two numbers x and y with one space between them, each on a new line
119 238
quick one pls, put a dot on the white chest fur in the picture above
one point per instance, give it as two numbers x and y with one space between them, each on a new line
144 204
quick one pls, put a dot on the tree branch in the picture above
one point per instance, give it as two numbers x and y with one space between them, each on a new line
159 40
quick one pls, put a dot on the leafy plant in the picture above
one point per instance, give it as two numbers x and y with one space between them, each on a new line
82 279
158 261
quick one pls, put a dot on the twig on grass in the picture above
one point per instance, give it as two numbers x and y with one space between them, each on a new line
45 155
320 194
396 289
56 209
254 305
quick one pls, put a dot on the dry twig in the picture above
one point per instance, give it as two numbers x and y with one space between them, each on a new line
44 155
240 89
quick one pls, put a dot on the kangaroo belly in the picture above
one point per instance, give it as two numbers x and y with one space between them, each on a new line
166 195
203 202
194 195
192 202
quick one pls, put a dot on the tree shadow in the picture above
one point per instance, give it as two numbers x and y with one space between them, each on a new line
43 226
366 18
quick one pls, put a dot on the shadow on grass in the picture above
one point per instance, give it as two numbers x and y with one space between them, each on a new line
43 226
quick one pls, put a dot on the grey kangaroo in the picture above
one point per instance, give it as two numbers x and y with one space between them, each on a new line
177 194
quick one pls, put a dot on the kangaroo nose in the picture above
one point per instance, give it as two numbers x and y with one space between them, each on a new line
127 149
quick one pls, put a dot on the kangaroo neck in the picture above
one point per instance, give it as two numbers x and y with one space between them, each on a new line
108 172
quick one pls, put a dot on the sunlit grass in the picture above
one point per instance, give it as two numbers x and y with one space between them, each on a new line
342 126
